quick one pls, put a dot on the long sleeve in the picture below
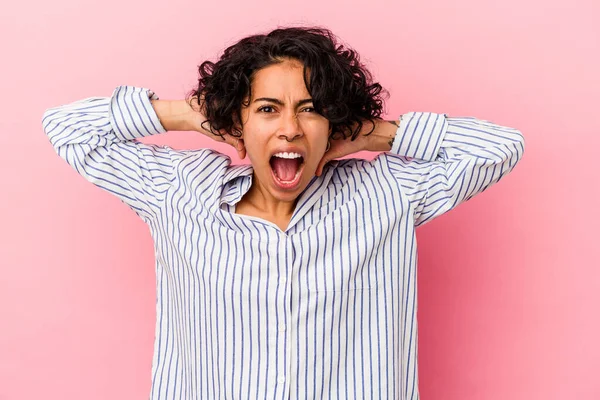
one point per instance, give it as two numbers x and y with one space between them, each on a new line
442 161
96 136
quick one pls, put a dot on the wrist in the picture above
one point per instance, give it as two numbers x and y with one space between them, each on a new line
382 138
174 115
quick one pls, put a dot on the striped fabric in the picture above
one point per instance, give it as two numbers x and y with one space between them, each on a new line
326 308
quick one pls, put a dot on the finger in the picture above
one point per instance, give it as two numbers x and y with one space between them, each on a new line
242 154
230 140
240 148
240 144
320 167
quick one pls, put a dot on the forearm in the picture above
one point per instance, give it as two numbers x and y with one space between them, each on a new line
174 115
382 137
184 115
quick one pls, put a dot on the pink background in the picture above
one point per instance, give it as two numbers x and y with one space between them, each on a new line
509 282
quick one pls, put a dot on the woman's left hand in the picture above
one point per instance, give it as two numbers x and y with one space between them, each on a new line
378 140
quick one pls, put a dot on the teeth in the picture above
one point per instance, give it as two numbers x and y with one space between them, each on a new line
287 155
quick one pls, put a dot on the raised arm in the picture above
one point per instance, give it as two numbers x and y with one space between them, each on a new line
96 136
442 161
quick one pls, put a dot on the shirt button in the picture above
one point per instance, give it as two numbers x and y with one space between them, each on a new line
282 328
281 379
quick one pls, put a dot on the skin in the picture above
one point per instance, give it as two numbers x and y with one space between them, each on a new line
267 126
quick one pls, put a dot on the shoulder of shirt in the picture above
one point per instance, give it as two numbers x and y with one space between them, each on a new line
360 164
378 165
350 163
223 170
204 155
204 158
346 167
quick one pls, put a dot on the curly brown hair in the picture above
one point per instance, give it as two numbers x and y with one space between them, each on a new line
340 86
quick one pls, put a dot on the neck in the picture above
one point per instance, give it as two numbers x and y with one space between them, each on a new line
260 198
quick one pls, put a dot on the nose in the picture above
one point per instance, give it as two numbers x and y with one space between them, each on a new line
290 128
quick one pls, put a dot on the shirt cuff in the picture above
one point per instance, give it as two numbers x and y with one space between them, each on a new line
420 135
131 113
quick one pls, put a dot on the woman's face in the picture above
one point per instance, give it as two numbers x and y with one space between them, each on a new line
280 118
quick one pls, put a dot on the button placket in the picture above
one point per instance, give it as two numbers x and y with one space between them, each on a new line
286 369
282 328
284 295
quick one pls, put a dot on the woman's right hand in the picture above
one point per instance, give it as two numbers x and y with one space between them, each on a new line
181 115
196 118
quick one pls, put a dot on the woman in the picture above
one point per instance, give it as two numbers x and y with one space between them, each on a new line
294 276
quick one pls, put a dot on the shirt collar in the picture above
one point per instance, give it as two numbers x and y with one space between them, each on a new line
236 182
236 171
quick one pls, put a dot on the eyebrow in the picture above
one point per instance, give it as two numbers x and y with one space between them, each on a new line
279 102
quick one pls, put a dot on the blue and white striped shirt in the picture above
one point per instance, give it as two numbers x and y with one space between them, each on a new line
326 308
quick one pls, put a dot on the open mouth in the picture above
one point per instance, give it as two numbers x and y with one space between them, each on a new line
286 169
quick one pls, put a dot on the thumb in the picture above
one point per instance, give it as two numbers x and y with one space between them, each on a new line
322 163
242 153
241 148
